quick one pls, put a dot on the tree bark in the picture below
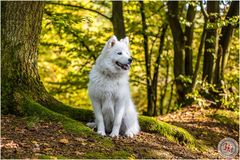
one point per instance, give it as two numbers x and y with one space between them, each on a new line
20 28
211 42
21 84
164 92
156 68
150 96
224 43
199 55
118 20
189 39
179 47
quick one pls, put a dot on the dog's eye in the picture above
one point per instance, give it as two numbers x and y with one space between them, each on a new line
119 53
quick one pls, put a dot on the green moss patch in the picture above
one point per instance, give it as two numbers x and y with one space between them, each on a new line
34 109
124 154
226 120
83 115
173 133
31 121
94 154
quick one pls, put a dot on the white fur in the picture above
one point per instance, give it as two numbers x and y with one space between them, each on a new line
109 91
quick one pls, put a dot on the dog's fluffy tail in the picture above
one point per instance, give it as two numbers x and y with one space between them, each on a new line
92 125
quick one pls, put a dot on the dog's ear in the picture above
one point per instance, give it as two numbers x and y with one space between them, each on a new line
112 41
125 40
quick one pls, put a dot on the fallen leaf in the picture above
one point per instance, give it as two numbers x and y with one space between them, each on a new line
47 149
78 153
84 144
64 141
34 142
79 139
10 145
36 149
45 144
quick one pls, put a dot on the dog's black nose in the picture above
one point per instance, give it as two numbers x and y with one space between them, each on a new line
130 60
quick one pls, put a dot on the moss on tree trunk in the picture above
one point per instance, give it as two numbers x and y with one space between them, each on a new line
21 26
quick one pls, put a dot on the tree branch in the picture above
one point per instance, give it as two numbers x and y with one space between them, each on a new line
81 7
205 14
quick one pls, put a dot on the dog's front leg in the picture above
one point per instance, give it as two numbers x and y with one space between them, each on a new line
119 111
99 117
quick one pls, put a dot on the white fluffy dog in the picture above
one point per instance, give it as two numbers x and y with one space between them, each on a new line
109 91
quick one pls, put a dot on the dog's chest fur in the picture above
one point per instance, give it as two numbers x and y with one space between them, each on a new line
106 85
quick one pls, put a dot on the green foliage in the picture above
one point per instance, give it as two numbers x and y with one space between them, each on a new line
72 38
186 80
67 52
210 95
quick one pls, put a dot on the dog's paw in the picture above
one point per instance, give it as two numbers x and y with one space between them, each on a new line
113 134
130 134
102 133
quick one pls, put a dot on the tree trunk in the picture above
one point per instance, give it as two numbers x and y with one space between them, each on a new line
118 20
156 68
164 92
150 105
211 41
179 46
21 25
189 38
170 99
199 55
224 43
21 85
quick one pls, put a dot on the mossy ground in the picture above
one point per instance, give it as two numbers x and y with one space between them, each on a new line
209 126
171 132
226 118
30 137
147 124
158 139
37 111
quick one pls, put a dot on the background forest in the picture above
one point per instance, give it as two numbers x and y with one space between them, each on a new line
184 78
73 34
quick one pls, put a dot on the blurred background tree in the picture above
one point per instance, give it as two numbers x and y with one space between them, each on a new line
166 41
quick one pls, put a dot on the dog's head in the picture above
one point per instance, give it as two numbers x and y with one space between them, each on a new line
116 55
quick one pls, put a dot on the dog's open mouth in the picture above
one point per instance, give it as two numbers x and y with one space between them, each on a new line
123 66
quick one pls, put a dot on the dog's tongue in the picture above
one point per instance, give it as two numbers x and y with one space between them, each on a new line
126 66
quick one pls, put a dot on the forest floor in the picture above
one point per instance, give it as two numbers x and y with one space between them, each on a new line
31 137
